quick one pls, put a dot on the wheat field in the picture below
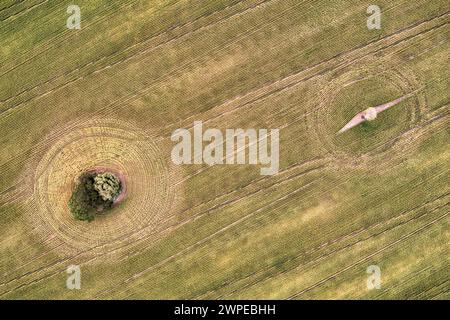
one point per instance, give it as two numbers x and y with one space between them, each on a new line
112 93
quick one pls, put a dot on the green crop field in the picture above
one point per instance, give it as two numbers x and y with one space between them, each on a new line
111 94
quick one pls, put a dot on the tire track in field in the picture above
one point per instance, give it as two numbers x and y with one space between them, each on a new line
361 230
170 228
405 281
380 146
228 202
278 86
202 203
336 187
247 145
93 259
225 204
11 5
161 262
444 284
30 54
366 258
26 10
319 258
183 35
205 240
183 66
157 34
345 54
249 194
315 161
234 99
324 245
135 54
384 144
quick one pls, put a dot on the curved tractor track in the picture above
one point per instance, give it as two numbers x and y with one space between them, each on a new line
104 143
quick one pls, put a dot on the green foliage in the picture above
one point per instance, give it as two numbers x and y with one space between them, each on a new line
93 193
368 127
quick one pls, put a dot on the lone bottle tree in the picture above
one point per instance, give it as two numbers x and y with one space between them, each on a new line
94 193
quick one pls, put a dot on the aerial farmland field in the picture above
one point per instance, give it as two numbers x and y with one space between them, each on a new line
109 91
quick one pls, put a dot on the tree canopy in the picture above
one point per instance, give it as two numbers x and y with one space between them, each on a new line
107 186
94 192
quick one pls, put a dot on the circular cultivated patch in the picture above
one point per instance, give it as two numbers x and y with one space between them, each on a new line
103 145
344 95
356 97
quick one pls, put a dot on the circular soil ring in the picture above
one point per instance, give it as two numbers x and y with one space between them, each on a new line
144 169
341 96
